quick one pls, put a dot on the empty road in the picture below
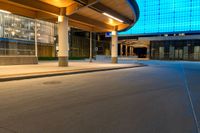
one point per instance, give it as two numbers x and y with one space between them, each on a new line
163 97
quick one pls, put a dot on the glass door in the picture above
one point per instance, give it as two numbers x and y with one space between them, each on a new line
179 54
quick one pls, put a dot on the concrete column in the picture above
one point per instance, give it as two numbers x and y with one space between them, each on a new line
126 50
114 48
121 49
131 51
63 42
148 51
91 47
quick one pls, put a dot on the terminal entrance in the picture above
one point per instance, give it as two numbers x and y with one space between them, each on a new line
179 54
134 48
175 50
141 52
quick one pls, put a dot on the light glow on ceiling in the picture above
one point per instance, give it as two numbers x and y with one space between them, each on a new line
4 11
108 15
60 19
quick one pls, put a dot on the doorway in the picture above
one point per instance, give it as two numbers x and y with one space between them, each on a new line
141 52
179 54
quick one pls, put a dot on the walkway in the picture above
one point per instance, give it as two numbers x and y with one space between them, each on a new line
50 68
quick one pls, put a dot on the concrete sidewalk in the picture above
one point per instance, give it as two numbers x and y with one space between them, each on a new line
50 68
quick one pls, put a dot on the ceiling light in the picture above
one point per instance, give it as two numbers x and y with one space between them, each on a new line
13 33
60 18
114 33
4 11
108 15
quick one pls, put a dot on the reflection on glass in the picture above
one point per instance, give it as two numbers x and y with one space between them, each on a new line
17 34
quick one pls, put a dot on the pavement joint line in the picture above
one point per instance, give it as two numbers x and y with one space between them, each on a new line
190 98
50 74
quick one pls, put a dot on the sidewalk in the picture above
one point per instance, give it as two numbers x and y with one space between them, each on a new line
50 68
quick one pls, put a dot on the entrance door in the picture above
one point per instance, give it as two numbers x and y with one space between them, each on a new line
185 53
161 52
196 52
178 54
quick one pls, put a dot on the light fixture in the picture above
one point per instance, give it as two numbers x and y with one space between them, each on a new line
4 11
60 18
13 33
114 33
108 15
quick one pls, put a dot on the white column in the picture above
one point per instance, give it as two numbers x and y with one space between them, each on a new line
148 51
36 45
126 50
121 49
90 46
114 48
131 50
63 42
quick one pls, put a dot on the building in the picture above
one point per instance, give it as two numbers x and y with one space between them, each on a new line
17 37
172 28
32 28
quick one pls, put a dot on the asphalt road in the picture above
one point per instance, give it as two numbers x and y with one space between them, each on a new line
161 98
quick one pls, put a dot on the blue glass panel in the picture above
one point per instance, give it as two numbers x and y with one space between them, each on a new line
167 16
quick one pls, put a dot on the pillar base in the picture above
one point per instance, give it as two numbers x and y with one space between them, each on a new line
62 61
114 60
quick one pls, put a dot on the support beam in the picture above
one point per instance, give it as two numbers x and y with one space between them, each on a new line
85 2
73 8
79 5
148 52
121 49
26 12
131 51
17 10
102 8
79 25
63 42
114 48
126 50
36 5
91 22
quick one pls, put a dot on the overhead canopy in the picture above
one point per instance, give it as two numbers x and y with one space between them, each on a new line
90 15
135 43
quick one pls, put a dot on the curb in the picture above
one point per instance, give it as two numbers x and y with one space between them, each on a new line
23 77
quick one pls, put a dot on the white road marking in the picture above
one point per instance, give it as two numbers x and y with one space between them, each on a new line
190 98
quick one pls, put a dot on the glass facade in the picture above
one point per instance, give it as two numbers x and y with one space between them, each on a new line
166 16
80 44
17 35
175 50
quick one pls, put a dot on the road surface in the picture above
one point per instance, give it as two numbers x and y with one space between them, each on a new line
163 97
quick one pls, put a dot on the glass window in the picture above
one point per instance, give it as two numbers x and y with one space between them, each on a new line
17 34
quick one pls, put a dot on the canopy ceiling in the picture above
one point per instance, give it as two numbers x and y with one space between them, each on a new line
83 14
